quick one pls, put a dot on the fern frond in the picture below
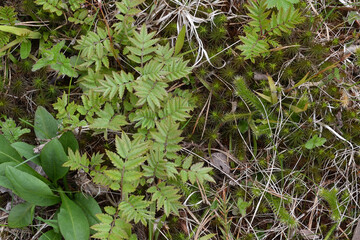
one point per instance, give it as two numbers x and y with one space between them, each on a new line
164 53
4 38
152 71
156 167
200 173
177 108
142 47
99 177
166 197
150 92
107 120
130 155
91 104
133 152
177 69
281 4
145 118
135 209
284 21
7 16
253 46
75 4
77 161
167 137
53 6
116 84
111 226
258 15
91 80
10 131
94 48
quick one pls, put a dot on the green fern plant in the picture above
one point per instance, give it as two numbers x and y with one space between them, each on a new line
138 107
265 25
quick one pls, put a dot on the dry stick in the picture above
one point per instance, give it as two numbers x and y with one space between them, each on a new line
202 110
202 192
313 210
206 115
203 223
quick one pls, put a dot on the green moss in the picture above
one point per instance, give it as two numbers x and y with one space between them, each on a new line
218 34
26 65
171 29
5 104
203 31
39 83
228 72
303 66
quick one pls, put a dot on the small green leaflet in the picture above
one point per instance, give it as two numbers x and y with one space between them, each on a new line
180 40
314 142
285 4
25 49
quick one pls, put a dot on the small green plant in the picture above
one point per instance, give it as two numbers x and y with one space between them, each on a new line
56 60
314 142
76 212
262 31
10 131
330 196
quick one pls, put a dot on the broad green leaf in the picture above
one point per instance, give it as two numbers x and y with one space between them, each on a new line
50 235
23 167
21 215
25 49
27 151
8 153
72 220
30 188
5 182
68 140
20 32
180 40
45 125
90 207
52 158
